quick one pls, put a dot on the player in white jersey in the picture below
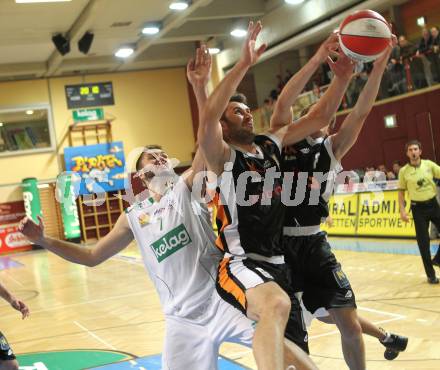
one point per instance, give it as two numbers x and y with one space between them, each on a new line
176 240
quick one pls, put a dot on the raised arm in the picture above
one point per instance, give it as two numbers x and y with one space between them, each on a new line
347 135
210 135
116 240
198 72
324 110
282 114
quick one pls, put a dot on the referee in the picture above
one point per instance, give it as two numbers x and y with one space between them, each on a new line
417 177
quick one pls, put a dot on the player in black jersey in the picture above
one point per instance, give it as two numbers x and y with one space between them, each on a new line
252 273
315 270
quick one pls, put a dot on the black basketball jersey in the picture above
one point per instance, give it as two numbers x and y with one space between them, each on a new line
250 214
310 156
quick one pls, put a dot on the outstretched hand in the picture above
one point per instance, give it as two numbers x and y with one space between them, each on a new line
343 67
250 54
382 61
20 306
198 70
34 232
328 47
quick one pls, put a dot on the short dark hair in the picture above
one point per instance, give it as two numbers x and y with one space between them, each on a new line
413 142
397 162
147 147
237 98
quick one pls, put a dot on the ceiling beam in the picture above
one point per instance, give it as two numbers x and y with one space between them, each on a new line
206 28
189 38
162 63
16 69
171 22
228 9
81 64
79 27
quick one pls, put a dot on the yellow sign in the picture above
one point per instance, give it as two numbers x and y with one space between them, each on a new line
380 215
369 214
343 210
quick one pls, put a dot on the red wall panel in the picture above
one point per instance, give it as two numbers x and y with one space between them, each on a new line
418 117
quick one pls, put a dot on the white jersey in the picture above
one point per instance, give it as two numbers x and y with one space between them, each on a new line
177 243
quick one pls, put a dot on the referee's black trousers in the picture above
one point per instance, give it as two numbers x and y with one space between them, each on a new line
423 213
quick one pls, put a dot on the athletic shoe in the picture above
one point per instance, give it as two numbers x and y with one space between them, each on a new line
394 345
433 280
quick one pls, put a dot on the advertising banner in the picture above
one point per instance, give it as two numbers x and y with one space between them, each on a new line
100 167
10 239
369 214
343 210
382 216
31 197
69 211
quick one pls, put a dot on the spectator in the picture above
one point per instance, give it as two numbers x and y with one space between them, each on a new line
407 51
382 168
391 176
280 83
396 168
273 96
423 49
289 74
317 93
370 175
361 173
265 113
434 55
355 87
397 83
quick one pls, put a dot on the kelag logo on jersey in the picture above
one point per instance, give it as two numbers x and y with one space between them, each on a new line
171 242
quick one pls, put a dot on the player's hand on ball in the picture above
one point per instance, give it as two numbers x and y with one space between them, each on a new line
34 232
20 306
382 61
343 67
328 47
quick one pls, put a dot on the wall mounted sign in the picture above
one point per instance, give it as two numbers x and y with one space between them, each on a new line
100 167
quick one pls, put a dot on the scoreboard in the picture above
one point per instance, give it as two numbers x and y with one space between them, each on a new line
89 95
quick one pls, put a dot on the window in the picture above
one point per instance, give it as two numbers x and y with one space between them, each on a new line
26 130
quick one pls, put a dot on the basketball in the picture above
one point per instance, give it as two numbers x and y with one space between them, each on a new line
364 35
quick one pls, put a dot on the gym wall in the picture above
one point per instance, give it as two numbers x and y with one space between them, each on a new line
418 115
151 107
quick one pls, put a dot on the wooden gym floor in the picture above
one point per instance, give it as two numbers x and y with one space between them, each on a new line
114 306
